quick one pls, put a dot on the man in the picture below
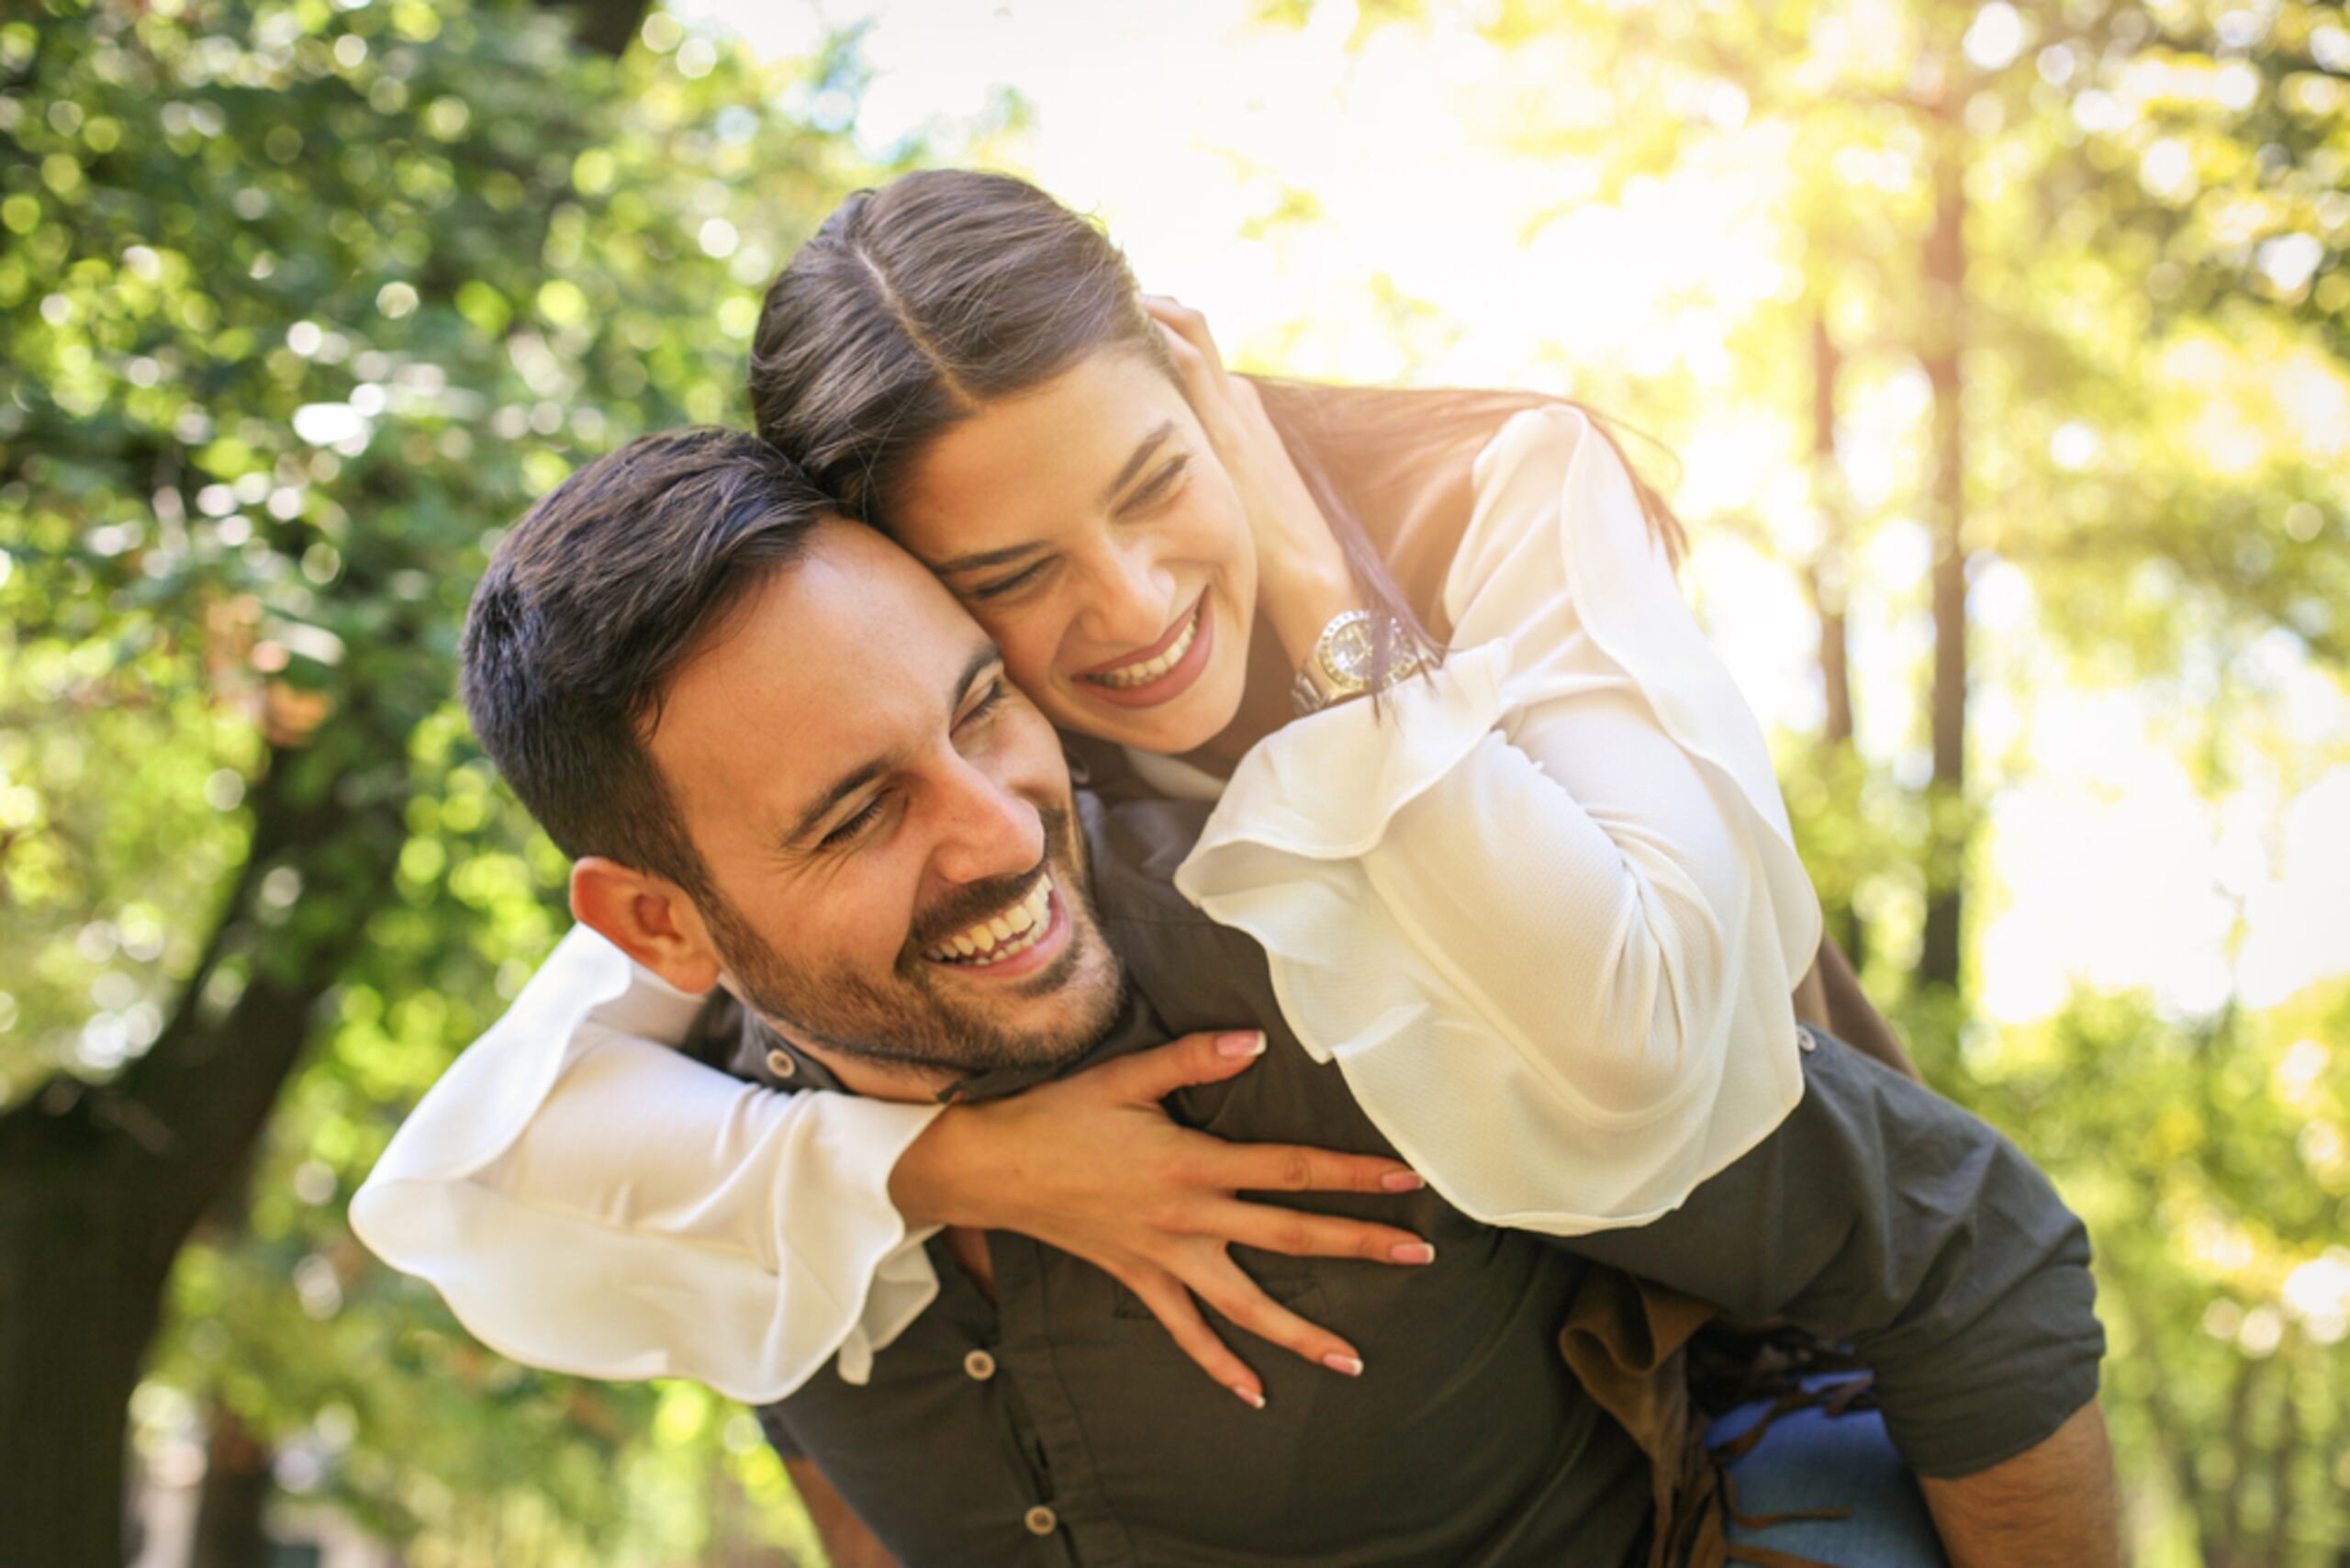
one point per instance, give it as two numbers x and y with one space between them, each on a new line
789 766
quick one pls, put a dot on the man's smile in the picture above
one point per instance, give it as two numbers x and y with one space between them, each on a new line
1016 941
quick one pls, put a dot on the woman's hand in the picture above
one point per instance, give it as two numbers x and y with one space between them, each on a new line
1090 1164
1302 578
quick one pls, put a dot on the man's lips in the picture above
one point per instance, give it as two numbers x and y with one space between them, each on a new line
1015 942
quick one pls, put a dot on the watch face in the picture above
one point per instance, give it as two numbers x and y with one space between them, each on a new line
1346 654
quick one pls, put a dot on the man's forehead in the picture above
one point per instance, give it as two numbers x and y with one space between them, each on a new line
850 652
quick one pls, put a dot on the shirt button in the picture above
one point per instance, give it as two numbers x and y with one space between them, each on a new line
1041 1520
1805 1040
781 1065
981 1366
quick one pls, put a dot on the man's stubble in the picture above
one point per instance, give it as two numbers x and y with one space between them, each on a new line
912 1021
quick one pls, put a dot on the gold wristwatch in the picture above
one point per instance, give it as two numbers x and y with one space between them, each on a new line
1340 665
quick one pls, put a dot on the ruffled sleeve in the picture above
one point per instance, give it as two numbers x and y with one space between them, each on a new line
1545 910
590 1201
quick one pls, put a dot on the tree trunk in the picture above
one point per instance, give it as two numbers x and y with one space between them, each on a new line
229 1509
1827 575
79 1291
1830 567
1945 332
101 1183
605 27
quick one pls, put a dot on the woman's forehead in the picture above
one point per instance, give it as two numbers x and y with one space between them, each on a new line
1022 466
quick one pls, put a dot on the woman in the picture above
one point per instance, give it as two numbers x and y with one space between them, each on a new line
1535 895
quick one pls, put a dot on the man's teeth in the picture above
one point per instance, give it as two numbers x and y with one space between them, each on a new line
990 941
1151 669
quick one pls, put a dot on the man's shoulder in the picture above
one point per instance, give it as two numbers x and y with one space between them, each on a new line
1195 972
1137 842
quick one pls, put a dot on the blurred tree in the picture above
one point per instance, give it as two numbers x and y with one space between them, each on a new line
2211 1164
300 300
2031 209
2062 303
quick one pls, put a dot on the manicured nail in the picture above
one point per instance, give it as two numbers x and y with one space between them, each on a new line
1350 1365
1412 1252
1249 1396
1245 1043
1402 1181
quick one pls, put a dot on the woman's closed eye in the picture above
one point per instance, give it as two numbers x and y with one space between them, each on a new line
1003 588
1160 487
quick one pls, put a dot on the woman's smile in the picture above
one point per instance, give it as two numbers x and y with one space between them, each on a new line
1161 672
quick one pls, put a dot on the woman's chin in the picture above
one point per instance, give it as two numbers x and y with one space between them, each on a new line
1186 723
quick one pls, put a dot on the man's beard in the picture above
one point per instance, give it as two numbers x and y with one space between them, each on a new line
911 1019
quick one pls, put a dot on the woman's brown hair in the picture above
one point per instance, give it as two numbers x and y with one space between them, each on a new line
916 305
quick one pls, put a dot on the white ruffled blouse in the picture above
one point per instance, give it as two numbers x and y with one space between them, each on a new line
1545 913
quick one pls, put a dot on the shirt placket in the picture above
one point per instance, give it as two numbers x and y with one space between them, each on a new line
977 1322
1077 1513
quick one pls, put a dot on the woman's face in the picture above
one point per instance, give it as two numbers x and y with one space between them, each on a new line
1089 527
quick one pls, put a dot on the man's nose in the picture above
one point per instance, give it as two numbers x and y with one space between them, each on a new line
1132 596
987 830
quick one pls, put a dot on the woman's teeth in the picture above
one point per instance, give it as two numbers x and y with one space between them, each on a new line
990 941
1151 669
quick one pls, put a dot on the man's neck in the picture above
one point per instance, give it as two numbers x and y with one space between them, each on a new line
881 1080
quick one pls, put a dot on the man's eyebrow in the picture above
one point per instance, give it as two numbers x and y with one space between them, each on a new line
983 659
847 784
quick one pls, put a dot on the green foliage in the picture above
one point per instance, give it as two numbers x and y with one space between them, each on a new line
304 302
2211 1164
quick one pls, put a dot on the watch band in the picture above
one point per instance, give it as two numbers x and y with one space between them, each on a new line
1339 664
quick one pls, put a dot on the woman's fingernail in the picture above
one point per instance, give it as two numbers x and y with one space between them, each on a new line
1350 1365
1402 1181
1243 1043
1412 1252
1249 1396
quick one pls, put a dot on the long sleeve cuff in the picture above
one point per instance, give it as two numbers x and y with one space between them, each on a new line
589 1200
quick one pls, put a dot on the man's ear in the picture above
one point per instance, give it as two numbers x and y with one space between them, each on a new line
649 918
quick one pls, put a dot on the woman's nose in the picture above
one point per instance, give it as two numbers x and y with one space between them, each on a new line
1130 597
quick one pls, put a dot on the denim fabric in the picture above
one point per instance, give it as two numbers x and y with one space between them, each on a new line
1812 1459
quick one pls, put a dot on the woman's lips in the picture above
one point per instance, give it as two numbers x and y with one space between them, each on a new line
1168 684
1175 629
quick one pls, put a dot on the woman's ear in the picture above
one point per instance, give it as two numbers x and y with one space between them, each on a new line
649 918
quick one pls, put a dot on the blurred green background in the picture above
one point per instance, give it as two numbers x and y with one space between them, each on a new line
1998 355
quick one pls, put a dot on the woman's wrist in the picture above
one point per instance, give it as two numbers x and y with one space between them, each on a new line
924 1187
1301 599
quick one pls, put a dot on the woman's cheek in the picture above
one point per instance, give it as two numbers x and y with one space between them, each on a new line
1032 657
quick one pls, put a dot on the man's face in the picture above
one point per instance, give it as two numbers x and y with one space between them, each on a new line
897 864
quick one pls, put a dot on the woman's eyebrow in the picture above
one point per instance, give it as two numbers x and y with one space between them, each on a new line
1143 449
980 558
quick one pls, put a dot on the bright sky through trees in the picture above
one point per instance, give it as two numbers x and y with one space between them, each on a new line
1351 208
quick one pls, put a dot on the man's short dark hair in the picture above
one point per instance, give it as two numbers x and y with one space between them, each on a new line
589 607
